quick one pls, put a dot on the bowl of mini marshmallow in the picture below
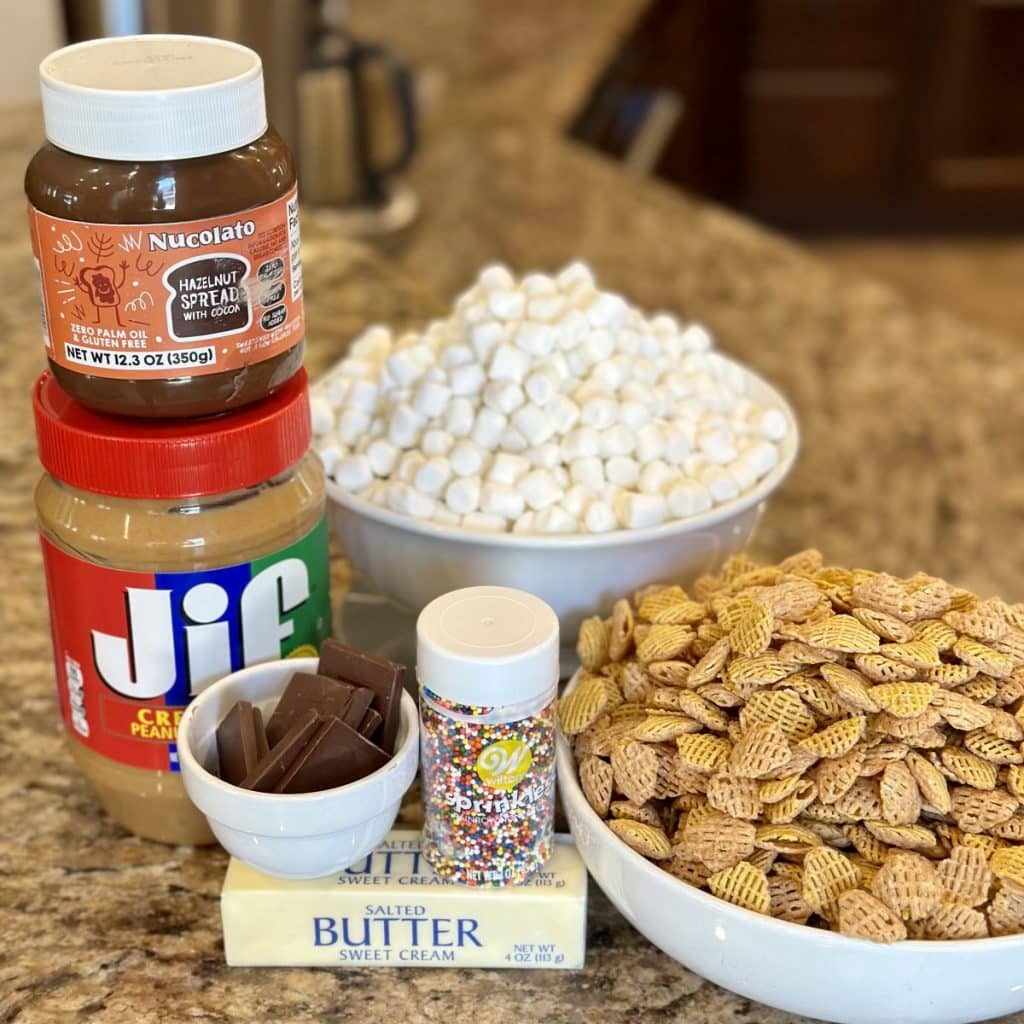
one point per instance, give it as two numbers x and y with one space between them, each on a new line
545 435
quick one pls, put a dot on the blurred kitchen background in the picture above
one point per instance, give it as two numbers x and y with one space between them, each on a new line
886 134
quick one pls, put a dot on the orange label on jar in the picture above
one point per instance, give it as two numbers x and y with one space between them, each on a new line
170 300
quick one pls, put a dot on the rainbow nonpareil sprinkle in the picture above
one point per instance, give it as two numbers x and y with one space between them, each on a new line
488 789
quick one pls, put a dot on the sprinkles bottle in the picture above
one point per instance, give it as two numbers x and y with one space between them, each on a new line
487 662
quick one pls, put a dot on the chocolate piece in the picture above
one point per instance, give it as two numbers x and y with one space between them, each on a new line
358 706
241 742
336 754
326 695
370 724
272 768
383 677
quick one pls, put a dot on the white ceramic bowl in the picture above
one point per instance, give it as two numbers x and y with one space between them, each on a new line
792 967
412 562
297 835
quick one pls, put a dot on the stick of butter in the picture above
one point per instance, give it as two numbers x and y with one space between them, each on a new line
391 910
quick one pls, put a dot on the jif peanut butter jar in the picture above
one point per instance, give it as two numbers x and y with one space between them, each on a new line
175 552
164 220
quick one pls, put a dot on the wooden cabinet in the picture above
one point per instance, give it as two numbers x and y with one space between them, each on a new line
828 112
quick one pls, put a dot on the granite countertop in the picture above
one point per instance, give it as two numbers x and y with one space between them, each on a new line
911 423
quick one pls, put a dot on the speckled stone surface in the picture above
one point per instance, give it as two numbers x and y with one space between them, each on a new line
912 456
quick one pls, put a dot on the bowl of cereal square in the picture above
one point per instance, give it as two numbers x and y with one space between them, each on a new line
803 792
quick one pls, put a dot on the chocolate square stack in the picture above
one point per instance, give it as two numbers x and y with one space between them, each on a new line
329 728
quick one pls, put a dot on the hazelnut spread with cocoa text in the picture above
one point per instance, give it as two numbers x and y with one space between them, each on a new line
175 553
164 221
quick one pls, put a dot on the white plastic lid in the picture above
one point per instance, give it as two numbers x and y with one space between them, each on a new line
487 646
158 97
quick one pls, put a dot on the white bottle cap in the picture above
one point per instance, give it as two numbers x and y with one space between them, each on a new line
156 97
487 646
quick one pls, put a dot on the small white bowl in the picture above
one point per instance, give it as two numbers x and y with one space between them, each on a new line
412 561
295 835
792 967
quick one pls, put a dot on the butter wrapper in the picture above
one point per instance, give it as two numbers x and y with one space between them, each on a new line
392 910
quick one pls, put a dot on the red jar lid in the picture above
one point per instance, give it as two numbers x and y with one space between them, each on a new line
130 458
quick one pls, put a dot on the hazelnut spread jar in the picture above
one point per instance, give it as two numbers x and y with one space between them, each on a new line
164 222
174 553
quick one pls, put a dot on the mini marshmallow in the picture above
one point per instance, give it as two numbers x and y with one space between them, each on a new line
436 442
488 427
467 379
599 517
606 309
354 473
433 476
717 447
589 471
542 385
507 468
502 500
539 284
762 457
634 414
352 424
336 389
563 412
362 394
540 489
509 363
696 338
622 471
485 338
406 365
572 329
534 424
462 495
330 456
677 447
617 440
356 369
689 499
483 521
407 501
525 523
444 516
373 344
721 483
598 345
405 426
554 519
772 425
408 465
513 441
599 412
537 339
609 374
382 456
456 355
581 442
430 399
650 443
466 458
321 415
639 511
503 396
743 473
656 476
576 499
545 308
506 304
544 456
496 275
459 417
574 273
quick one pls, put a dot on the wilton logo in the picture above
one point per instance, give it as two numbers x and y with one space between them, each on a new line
502 765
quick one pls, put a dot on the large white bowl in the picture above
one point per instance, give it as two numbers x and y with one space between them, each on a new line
412 562
290 835
789 966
